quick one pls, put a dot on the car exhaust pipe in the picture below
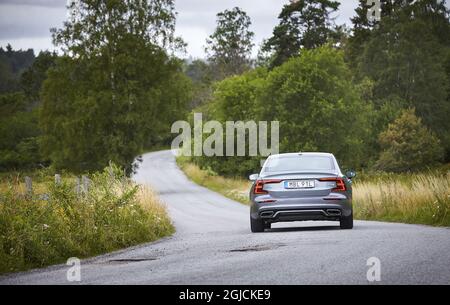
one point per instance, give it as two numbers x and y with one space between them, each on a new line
333 212
267 214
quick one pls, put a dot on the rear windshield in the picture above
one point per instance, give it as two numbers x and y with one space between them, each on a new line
299 163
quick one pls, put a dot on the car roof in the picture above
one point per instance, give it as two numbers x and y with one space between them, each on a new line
287 155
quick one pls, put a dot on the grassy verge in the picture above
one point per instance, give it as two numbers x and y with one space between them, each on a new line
407 198
420 199
233 188
56 222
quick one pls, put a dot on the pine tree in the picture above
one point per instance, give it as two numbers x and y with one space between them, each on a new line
303 24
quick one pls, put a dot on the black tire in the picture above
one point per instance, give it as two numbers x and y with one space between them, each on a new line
256 225
347 222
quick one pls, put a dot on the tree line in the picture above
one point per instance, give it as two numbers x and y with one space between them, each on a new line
21 77
377 94
113 91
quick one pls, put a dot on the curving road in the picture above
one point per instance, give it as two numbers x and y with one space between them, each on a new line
213 245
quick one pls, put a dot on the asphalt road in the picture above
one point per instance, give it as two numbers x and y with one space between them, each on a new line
213 245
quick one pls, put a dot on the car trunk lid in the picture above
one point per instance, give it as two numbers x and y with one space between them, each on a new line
299 184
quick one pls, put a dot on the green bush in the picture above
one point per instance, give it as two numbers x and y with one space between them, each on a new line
313 98
19 134
408 145
38 230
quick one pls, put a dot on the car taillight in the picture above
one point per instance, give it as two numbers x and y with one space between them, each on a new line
340 184
259 187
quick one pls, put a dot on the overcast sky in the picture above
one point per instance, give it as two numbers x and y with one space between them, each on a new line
26 23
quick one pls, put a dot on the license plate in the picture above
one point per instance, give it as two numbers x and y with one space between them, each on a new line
300 184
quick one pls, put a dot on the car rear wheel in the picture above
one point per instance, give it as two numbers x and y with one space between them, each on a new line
256 225
347 222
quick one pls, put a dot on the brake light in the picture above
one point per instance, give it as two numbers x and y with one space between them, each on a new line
340 184
259 187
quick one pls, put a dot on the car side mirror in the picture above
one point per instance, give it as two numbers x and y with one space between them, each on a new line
351 174
253 177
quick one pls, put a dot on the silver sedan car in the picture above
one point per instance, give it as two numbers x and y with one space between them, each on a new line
299 187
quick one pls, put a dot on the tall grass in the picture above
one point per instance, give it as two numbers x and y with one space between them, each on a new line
236 189
421 198
42 229
409 198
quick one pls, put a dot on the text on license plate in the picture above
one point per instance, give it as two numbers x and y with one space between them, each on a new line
300 184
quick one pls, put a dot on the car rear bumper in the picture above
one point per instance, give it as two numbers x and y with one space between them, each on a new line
299 210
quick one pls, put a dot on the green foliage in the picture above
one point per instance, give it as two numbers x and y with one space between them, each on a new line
312 97
235 99
363 27
304 24
202 76
402 66
318 107
230 46
19 126
118 90
33 78
199 71
12 64
39 230
95 25
408 145
19 147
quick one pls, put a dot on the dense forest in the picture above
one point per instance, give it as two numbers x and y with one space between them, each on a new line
377 94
